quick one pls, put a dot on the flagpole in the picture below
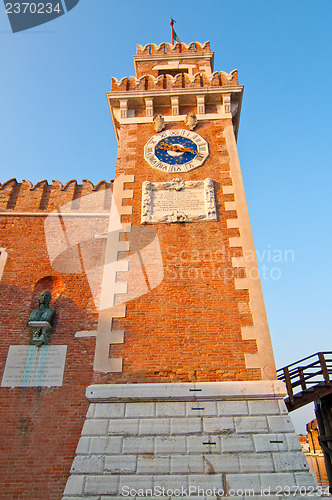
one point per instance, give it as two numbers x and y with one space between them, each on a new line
172 24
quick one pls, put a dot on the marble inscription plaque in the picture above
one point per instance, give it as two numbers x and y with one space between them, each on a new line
178 201
31 366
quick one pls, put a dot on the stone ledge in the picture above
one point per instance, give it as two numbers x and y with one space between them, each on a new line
265 389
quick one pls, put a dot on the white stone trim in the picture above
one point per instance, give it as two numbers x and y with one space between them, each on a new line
187 91
201 105
230 205
174 58
266 389
104 334
3 259
170 118
149 107
115 337
232 223
175 105
241 283
226 103
161 96
124 108
235 242
260 331
228 189
238 262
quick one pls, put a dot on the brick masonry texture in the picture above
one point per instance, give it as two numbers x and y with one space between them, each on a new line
179 331
186 329
182 329
41 426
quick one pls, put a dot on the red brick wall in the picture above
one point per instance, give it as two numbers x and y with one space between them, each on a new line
40 426
189 327
186 329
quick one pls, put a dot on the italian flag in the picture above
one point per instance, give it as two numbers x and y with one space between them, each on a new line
175 38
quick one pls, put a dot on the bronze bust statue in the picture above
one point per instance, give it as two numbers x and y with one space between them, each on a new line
40 320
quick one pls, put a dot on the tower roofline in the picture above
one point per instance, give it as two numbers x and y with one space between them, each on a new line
195 57
177 48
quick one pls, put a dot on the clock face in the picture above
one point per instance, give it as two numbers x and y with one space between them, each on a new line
176 151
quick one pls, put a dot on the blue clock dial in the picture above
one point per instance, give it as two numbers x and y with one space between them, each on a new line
176 150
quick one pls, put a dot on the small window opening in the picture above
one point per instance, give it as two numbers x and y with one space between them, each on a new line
172 72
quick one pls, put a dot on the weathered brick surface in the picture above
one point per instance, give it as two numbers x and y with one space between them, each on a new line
186 329
41 426
189 327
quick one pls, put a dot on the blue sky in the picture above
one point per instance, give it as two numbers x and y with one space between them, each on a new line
55 123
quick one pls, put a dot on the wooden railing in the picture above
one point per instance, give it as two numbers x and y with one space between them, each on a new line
315 370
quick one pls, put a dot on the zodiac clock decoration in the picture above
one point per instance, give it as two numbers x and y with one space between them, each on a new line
176 151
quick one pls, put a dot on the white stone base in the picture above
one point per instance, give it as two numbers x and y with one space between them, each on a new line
207 440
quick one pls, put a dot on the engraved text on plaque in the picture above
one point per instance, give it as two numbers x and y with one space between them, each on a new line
178 201
31 366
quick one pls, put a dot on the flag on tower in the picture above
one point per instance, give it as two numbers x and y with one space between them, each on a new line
175 38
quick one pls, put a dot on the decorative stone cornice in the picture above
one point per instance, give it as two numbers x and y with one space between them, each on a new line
226 99
267 389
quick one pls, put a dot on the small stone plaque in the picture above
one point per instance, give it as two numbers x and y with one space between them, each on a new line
32 366
178 201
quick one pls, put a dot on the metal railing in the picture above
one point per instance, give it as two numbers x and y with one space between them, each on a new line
307 372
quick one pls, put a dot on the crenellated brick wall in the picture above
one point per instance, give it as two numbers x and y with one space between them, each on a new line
23 196
177 48
185 308
163 82
40 425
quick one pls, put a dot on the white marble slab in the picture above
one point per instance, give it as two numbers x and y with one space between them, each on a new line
32 366
178 201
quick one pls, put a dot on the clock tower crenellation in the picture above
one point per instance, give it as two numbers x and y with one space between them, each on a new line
175 80
167 59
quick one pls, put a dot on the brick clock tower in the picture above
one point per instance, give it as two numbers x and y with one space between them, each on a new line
187 397
158 307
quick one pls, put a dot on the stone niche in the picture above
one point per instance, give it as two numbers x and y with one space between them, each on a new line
178 201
